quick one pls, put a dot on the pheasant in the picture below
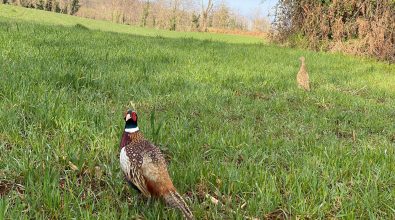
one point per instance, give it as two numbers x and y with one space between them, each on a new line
145 168
303 77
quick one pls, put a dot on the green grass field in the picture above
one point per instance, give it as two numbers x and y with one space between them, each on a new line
235 125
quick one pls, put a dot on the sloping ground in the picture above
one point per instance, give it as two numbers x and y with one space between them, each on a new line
235 126
50 18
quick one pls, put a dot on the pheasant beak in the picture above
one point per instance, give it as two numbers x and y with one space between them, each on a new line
128 117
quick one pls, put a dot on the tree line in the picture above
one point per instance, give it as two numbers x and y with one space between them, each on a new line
61 6
183 15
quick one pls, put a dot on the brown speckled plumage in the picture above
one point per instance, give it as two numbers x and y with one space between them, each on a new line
303 77
145 167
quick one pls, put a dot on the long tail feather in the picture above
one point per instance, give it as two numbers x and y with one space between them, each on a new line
174 200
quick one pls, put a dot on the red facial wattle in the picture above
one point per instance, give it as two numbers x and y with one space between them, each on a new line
134 116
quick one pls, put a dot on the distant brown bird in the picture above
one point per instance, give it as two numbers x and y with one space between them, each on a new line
303 77
145 167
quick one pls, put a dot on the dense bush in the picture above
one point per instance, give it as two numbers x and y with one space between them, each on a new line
363 27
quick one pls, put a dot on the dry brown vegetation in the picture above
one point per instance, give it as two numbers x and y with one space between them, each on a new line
239 32
358 27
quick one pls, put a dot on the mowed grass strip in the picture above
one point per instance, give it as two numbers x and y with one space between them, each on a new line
235 126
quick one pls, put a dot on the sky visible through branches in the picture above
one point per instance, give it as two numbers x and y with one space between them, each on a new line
248 7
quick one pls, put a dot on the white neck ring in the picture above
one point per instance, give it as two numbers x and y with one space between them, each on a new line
131 130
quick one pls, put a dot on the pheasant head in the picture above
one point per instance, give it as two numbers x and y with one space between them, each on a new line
130 117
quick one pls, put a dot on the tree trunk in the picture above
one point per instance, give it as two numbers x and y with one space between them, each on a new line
205 14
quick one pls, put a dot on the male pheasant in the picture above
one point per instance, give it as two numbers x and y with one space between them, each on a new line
145 167
303 77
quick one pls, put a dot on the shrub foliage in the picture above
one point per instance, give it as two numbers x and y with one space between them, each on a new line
363 27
